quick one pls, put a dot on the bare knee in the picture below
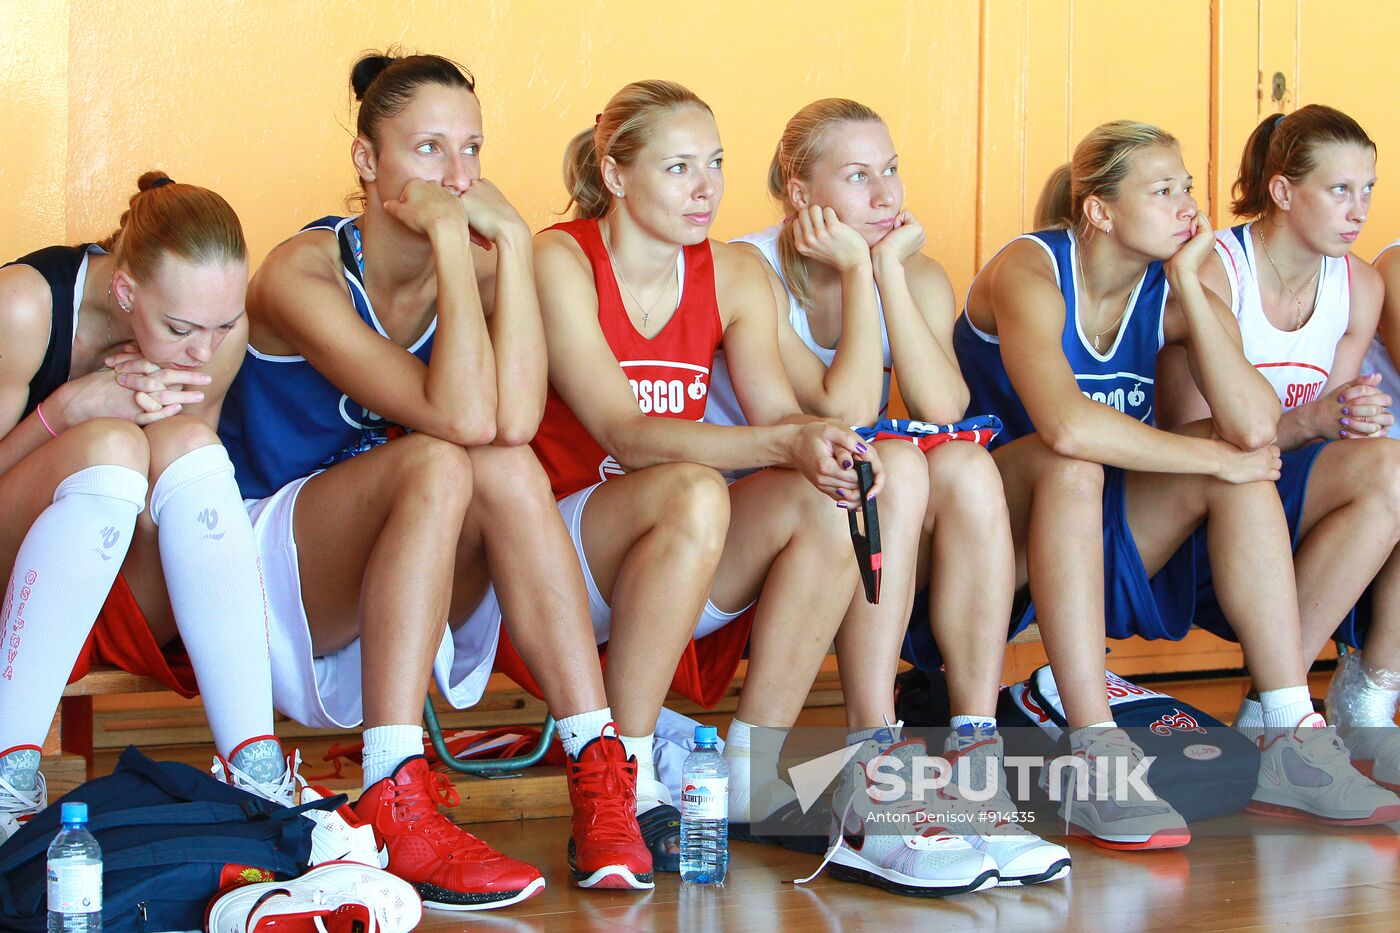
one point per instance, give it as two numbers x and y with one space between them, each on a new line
433 471
509 478
1379 481
694 502
1065 476
172 438
906 474
108 441
964 480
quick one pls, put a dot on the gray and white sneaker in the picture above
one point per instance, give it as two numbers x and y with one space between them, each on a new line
993 825
1306 774
339 835
898 845
18 806
1112 811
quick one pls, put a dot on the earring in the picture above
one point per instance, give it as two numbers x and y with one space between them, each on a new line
123 305
1108 230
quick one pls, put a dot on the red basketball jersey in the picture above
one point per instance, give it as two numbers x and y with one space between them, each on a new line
669 373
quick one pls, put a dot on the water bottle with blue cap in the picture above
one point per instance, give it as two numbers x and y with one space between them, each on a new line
705 811
75 875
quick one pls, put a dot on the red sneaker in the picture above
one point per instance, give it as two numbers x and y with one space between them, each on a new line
606 849
450 868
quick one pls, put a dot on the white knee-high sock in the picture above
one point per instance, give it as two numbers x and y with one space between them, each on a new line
216 593
61 577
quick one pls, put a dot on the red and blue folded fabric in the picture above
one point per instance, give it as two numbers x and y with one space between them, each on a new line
979 430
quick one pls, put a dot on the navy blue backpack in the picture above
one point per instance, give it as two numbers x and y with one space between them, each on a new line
172 837
1203 767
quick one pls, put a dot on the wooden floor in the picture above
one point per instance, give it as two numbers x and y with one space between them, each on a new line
1249 882
1261 875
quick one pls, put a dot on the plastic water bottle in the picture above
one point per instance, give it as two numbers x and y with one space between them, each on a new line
75 875
705 811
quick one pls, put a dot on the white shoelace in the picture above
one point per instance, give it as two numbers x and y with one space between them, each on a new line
16 802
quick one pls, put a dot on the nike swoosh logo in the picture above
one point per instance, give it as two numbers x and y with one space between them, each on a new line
216 537
1270 773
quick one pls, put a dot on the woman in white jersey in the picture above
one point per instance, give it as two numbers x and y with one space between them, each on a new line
863 303
1307 310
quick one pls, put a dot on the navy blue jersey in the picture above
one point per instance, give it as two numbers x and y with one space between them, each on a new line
283 420
64 268
1121 377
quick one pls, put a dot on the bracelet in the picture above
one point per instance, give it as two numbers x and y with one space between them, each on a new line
39 410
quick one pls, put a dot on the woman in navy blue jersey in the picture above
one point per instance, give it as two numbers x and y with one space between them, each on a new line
1060 338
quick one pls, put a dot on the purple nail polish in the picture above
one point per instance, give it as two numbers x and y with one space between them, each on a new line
1346 411
842 505
860 448
845 464
1346 421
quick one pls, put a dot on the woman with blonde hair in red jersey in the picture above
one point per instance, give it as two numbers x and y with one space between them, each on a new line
395 373
860 304
117 356
636 301
1307 310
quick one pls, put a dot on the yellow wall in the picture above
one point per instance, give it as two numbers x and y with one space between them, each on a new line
983 98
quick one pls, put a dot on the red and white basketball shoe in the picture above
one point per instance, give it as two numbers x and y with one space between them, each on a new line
449 867
606 848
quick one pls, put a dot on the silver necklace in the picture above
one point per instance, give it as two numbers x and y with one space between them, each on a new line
647 309
1297 301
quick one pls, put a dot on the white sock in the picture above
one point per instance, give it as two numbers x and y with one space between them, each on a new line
1079 738
755 790
1250 715
1284 708
387 747
969 730
216 593
650 791
578 730
62 574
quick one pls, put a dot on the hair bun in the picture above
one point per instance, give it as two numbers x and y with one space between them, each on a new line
153 179
364 72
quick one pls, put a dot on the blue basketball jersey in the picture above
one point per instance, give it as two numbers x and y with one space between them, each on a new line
1121 377
283 420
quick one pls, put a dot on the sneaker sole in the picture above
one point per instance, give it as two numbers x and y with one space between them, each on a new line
1055 872
1368 768
438 898
1163 839
615 877
1279 811
987 879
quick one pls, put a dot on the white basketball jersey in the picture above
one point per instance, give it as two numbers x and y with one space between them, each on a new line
1296 363
1378 361
722 406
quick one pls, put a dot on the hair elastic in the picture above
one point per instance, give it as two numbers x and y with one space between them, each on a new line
160 183
39 409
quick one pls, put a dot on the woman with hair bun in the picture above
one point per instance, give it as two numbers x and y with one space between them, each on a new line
637 299
862 304
117 501
1060 338
395 373
1307 311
